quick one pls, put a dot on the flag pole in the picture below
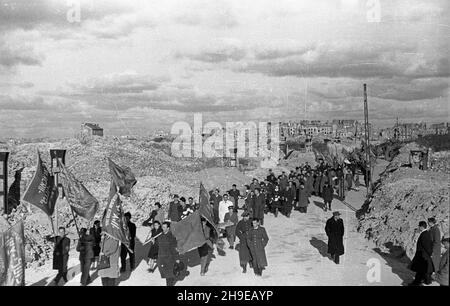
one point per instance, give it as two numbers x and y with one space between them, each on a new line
75 221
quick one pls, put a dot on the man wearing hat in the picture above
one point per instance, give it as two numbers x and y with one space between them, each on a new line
234 195
422 263
257 240
231 217
334 229
435 234
258 205
242 228
175 209
223 207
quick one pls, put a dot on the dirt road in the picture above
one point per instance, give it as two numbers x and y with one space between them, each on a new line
296 255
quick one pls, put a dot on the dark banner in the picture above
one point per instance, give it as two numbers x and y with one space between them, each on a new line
189 233
42 192
12 256
80 199
205 209
113 222
122 177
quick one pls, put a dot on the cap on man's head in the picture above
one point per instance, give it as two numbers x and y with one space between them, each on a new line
245 214
127 214
175 196
230 207
336 213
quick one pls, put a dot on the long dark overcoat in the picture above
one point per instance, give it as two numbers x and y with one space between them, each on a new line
242 229
422 262
167 254
257 240
258 205
435 234
335 232
327 193
303 200
309 185
61 253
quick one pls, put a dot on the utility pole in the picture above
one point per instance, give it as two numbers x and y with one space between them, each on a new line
367 141
4 181
55 156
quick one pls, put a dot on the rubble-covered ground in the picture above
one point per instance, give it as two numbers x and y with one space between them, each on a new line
404 196
159 176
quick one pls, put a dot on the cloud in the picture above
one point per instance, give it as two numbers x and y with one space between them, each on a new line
217 51
399 89
217 14
120 83
30 14
12 55
23 85
352 60
31 102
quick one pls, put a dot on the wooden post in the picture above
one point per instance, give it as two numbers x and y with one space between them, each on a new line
367 140
4 180
57 155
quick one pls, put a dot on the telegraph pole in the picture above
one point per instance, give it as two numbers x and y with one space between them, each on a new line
367 140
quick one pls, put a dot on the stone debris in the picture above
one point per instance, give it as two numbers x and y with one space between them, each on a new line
402 197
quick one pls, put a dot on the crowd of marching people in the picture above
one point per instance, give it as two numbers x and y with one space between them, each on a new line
274 195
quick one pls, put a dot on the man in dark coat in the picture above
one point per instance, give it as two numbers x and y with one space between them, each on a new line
289 196
303 200
243 226
167 254
334 229
60 254
327 196
283 180
258 205
234 196
124 250
257 240
436 239
86 248
309 184
97 232
422 263
175 209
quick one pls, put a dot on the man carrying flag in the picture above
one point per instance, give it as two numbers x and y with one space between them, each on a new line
12 256
114 226
115 232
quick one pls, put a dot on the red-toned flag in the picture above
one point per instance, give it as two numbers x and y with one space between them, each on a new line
80 199
12 256
122 179
204 208
113 222
189 233
42 192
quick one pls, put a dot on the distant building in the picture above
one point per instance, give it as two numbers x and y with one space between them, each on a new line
91 129
440 128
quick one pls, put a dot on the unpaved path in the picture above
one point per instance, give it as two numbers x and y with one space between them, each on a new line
296 255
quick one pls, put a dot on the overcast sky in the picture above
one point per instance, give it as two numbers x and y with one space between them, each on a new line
138 65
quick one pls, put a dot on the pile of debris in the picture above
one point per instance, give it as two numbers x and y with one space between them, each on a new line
402 197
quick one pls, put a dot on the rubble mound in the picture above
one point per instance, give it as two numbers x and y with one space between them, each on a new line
159 176
402 197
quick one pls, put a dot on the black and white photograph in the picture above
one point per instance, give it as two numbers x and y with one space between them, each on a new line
251 144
